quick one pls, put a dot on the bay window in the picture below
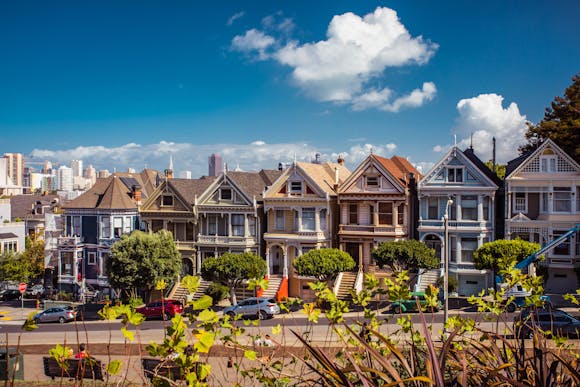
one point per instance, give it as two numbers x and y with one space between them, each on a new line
308 223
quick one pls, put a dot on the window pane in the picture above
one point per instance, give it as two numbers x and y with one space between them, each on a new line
433 210
279 224
385 213
468 246
308 219
353 214
238 228
469 207
401 214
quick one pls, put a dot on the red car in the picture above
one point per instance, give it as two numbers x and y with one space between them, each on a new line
165 310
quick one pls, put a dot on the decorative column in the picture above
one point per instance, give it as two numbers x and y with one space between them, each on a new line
480 208
283 291
246 226
375 209
299 211
198 262
395 213
268 261
317 219
229 224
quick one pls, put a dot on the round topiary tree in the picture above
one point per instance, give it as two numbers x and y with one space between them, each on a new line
323 264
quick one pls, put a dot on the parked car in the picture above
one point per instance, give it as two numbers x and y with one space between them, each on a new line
10 294
519 295
35 291
410 305
157 309
551 321
260 307
61 314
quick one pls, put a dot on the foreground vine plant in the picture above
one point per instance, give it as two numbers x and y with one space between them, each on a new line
363 351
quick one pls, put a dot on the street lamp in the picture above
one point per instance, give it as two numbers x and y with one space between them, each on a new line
446 261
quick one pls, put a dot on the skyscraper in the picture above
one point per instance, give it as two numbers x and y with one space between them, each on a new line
77 167
215 165
64 179
15 167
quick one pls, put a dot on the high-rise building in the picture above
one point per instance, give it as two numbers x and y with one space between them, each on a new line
185 175
47 167
91 175
215 165
103 173
64 179
15 167
77 167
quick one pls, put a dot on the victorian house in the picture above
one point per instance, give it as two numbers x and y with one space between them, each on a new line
462 189
302 214
93 222
211 215
378 203
542 203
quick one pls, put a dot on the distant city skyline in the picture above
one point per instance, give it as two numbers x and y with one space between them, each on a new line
261 83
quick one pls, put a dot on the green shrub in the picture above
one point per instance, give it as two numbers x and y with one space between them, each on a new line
452 283
217 292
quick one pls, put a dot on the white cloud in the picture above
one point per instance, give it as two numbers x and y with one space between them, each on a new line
235 17
190 157
485 118
423 166
253 40
355 54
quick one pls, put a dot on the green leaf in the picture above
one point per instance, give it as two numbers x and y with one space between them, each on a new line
207 315
205 341
250 355
204 302
114 367
276 329
128 334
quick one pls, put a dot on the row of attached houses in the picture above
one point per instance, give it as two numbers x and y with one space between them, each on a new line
282 214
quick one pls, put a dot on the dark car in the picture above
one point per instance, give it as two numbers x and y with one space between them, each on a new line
59 314
553 322
260 307
10 294
410 305
158 309
519 302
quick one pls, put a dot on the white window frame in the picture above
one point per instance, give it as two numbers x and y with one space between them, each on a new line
231 194
568 199
238 229
470 240
279 220
548 164
295 187
372 181
105 227
464 199
308 223
457 171
163 200
117 224
515 202
91 258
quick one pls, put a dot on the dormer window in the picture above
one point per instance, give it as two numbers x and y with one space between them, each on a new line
372 181
295 187
226 194
167 200
455 175
548 163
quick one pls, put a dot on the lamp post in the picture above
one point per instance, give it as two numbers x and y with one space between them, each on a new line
446 262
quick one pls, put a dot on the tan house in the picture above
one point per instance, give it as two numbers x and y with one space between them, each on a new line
302 214
378 203
211 215
543 202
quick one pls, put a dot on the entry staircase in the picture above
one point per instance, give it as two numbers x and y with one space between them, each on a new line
427 278
347 283
180 293
273 287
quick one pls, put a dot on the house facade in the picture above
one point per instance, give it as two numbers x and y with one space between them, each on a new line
463 187
302 214
543 202
93 223
377 203
211 215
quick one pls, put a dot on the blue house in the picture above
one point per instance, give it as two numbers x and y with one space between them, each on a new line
462 186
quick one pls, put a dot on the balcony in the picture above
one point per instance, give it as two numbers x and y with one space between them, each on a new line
185 245
69 241
226 240
455 224
356 228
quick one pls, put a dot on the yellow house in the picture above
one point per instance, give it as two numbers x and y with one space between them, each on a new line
302 214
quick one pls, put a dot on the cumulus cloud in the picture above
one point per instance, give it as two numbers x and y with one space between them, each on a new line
235 17
191 157
357 52
484 117
253 40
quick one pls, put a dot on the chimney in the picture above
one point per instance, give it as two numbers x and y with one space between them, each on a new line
136 192
340 160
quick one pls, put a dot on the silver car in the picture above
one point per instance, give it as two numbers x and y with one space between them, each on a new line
56 314
260 307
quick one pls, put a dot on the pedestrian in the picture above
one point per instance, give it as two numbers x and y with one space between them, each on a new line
82 353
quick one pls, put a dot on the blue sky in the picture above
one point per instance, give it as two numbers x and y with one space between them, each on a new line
128 83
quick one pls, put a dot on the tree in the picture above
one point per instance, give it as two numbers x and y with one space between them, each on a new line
324 264
410 255
502 253
499 169
14 267
561 122
232 270
34 255
141 259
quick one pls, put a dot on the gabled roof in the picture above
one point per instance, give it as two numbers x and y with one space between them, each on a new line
466 158
522 162
189 189
253 184
8 235
320 177
115 191
396 169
